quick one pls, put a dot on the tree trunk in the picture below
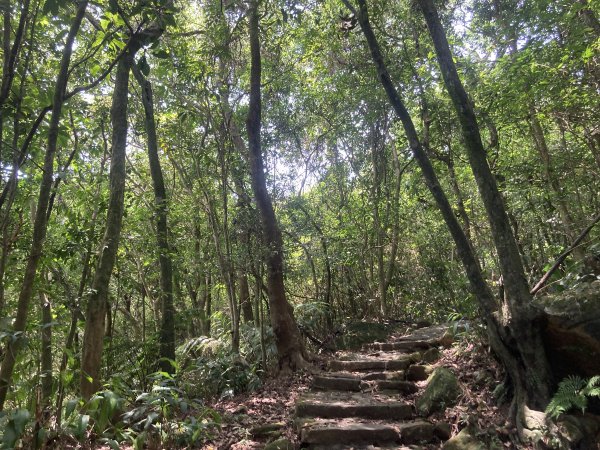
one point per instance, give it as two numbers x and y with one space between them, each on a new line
208 303
289 343
11 54
245 300
377 161
40 222
46 360
96 308
502 344
167 328
76 301
329 315
533 380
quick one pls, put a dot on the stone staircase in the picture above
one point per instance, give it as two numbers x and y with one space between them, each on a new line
364 399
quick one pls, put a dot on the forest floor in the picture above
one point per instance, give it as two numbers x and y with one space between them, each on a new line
468 358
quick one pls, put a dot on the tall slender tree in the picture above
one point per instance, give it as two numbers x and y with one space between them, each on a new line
534 380
41 219
290 347
167 328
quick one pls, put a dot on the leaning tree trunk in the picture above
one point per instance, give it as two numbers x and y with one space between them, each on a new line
290 348
167 327
41 220
500 342
534 380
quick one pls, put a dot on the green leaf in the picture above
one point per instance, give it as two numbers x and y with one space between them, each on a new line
71 405
52 6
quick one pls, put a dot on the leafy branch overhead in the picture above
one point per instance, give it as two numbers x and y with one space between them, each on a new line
200 198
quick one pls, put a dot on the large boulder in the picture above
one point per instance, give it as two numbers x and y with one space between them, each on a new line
442 391
572 334
577 431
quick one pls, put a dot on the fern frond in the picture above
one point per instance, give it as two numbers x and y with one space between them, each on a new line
573 392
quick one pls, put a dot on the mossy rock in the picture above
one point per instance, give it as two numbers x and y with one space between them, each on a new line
442 391
466 440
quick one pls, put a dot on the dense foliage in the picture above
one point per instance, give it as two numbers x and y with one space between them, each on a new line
362 237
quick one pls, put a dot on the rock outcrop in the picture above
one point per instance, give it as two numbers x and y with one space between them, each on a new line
572 334
442 391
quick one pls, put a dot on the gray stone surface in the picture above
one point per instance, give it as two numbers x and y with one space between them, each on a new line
418 372
280 444
336 383
466 440
416 432
442 391
401 363
348 432
407 346
342 404
390 375
572 333
405 387
443 430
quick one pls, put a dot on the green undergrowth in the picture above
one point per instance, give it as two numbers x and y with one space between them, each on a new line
145 409
116 416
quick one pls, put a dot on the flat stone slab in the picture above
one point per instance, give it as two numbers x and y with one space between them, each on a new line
375 364
333 433
361 363
360 447
331 405
406 387
407 346
342 375
434 335
336 383
393 375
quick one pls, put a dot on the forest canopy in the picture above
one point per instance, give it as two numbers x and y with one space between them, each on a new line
192 188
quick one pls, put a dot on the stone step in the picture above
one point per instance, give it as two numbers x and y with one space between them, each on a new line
405 387
355 384
417 431
418 372
360 434
347 404
347 434
379 363
437 335
359 447
407 346
336 383
390 375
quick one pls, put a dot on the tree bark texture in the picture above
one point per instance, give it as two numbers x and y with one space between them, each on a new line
46 359
289 343
167 327
534 381
96 307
